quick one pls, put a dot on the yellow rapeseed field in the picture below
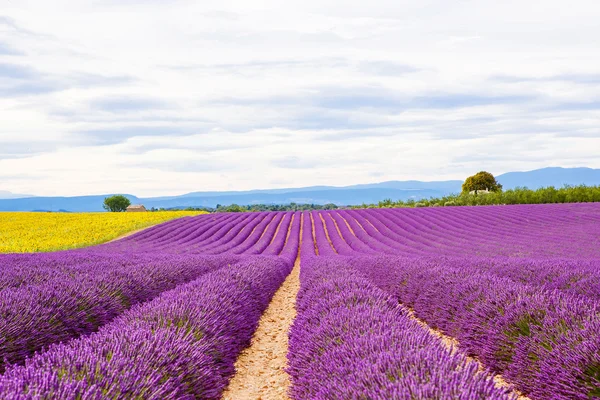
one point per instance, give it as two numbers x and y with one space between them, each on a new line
25 232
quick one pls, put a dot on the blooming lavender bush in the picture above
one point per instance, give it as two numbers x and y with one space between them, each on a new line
163 314
53 297
351 340
181 345
517 286
77 303
513 328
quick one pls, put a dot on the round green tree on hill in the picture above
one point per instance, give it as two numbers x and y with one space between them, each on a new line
481 181
116 203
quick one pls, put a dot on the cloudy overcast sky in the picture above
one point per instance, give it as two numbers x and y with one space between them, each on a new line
157 97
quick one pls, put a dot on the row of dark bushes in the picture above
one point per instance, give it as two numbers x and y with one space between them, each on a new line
545 195
255 208
566 194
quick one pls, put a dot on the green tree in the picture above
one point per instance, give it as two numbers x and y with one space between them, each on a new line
116 203
481 181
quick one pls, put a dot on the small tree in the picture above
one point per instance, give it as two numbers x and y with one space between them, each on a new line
481 181
116 203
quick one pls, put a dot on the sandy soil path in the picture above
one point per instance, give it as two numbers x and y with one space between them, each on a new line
453 345
260 369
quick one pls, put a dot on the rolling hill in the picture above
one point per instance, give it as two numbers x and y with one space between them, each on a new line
347 195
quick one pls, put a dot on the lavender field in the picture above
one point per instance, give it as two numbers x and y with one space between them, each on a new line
164 313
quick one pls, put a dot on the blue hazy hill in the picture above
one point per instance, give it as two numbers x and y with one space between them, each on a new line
347 195
8 195
73 204
551 176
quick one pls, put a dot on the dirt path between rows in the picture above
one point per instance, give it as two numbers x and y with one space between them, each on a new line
260 369
327 234
453 345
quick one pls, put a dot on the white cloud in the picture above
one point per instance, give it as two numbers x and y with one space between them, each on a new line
155 98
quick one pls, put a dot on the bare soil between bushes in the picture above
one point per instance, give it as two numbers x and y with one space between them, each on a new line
452 344
260 369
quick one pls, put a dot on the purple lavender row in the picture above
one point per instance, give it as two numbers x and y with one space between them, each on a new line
221 233
66 283
339 244
373 241
426 232
322 244
259 233
407 242
308 245
350 236
363 234
498 220
290 252
175 228
276 246
381 233
19 270
268 234
29 269
36 316
422 234
376 235
356 242
171 232
550 230
238 234
197 233
181 345
258 238
551 218
188 235
172 226
221 238
351 340
433 227
413 237
545 342
578 277
247 237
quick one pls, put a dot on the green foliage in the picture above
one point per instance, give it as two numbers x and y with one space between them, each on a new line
117 203
274 207
481 181
254 208
566 194
591 375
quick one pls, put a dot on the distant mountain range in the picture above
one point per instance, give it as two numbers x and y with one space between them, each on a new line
8 195
347 195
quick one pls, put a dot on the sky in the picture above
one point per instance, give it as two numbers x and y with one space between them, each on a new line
156 98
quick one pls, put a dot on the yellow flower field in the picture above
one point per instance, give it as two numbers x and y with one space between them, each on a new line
25 232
